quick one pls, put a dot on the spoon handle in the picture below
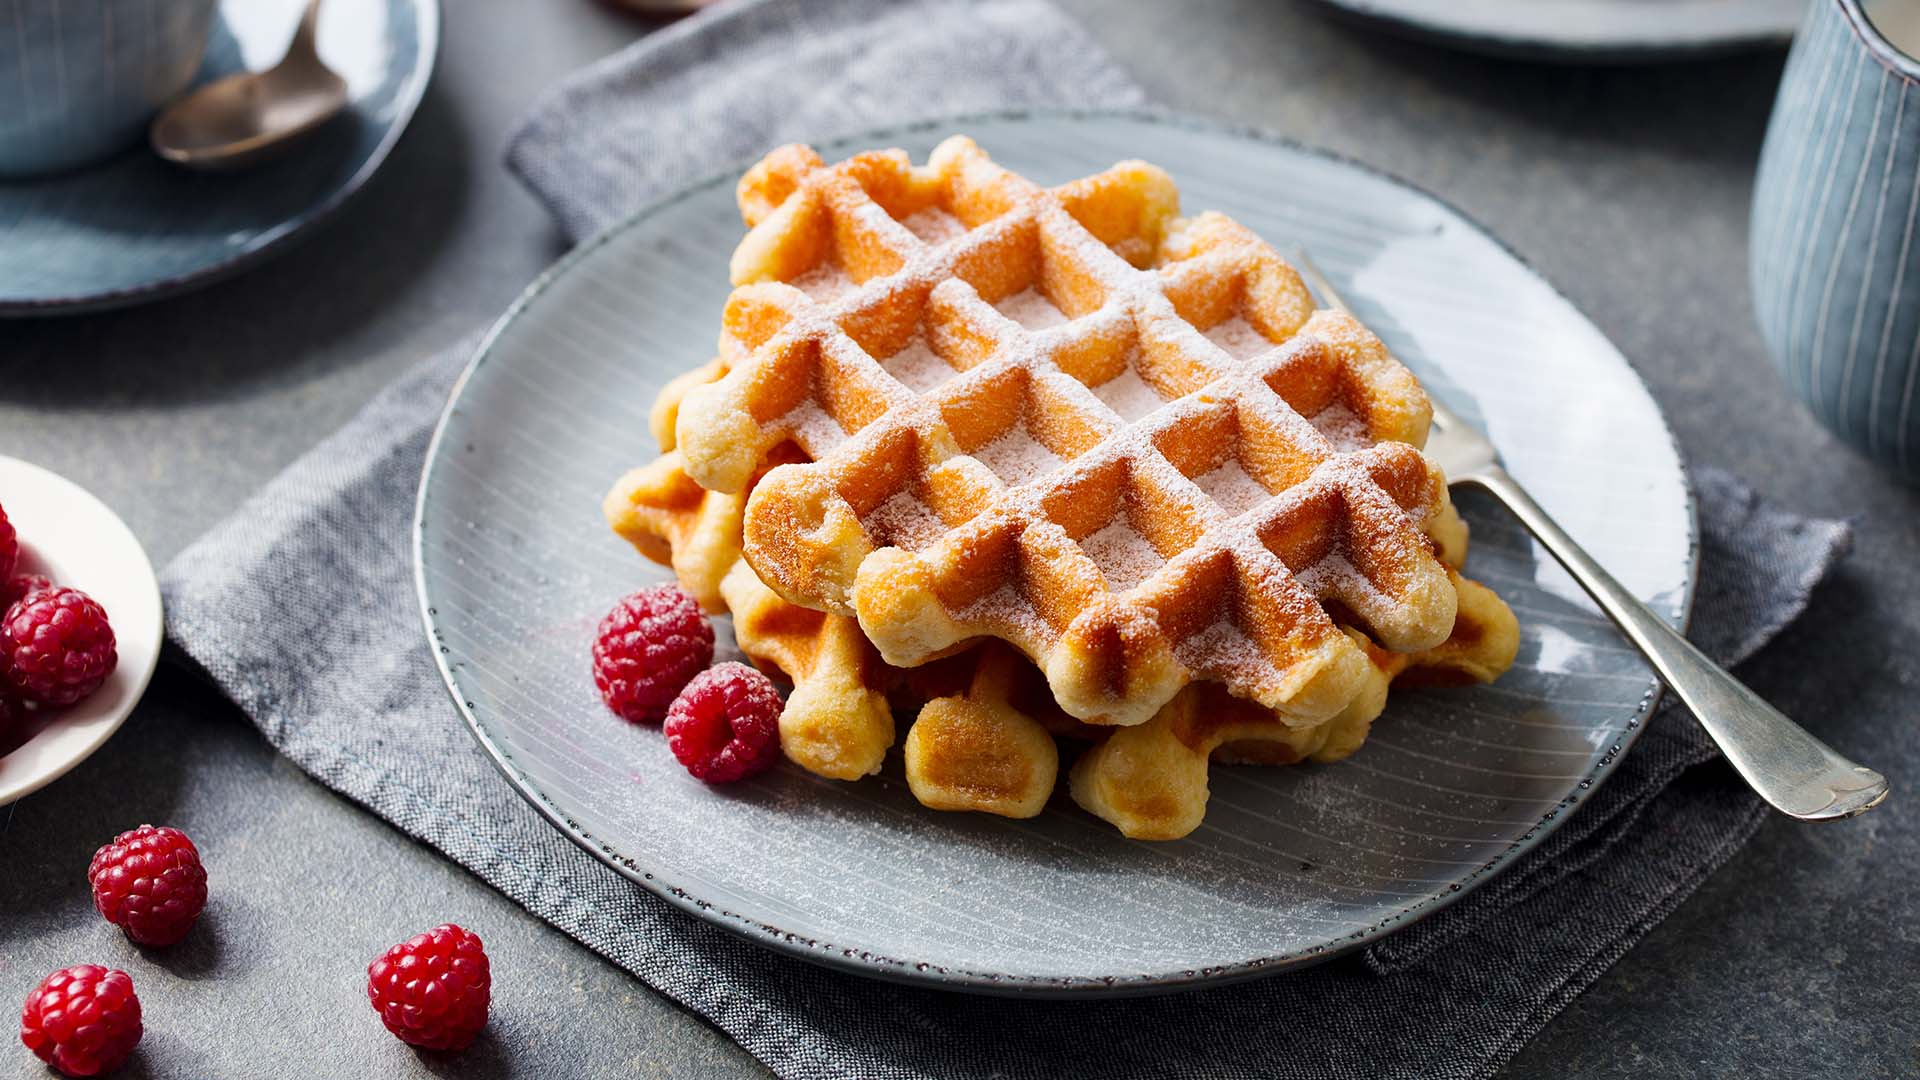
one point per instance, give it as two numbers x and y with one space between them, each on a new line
306 36
1794 772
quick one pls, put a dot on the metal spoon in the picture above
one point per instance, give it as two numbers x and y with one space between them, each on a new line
240 119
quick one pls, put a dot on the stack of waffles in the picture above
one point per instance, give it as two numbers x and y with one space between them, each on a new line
1046 470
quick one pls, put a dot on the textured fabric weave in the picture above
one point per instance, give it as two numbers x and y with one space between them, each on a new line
301 607
725 87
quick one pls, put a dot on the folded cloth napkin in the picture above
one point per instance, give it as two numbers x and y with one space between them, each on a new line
301 607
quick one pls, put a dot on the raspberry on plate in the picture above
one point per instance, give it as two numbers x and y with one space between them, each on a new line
432 990
56 646
83 1020
725 725
9 546
149 881
19 587
649 645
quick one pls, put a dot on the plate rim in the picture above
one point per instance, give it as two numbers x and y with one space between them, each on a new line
136 688
1625 48
906 970
283 233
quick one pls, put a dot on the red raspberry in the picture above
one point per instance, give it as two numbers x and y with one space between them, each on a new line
19 587
149 881
82 1020
9 546
56 646
432 989
650 644
725 725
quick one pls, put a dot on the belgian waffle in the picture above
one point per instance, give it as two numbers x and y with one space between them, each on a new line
1150 780
982 748
1125 444
984 736
984 739
977 747
837 721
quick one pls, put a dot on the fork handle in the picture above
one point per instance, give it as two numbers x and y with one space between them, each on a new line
1794 772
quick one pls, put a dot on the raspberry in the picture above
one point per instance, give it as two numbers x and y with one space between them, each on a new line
150 882
19 587
725 725
82 1020
432 989
650 644
9 546
56 646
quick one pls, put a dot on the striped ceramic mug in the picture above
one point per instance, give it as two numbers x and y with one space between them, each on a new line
80 78
1835 255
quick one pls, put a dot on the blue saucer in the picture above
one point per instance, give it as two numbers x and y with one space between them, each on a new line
136 228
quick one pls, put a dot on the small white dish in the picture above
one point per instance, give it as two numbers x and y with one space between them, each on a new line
72 537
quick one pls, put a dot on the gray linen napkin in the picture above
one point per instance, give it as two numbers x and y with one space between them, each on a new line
301 607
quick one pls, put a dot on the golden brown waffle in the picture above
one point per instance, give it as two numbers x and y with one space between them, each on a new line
986 375
1150 780
984 739
675 522
837 721
970 749
980 749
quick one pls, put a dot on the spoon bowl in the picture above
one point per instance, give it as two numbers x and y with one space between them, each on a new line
241 119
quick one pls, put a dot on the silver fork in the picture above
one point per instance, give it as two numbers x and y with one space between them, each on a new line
1794 772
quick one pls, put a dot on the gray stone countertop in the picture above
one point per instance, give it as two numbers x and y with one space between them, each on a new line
1627 187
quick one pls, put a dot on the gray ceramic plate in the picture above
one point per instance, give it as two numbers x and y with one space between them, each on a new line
136 228
1584 30
1292 865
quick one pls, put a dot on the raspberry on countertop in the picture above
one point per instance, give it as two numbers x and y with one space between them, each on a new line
83 1020
149 881
433 989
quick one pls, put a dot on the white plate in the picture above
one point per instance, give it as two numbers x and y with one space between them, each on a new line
70 536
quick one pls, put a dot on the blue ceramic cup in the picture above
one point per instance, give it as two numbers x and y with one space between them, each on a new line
1835 244
79 79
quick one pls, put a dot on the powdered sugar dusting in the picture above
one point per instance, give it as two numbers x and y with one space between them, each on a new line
919 366
1006 605
1343 428
1031 310
1129 395
933 225
815 430
1223 652
1238 337
1335 576
904 521
1231 487
824 283
1125 557
1017 457
929 251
